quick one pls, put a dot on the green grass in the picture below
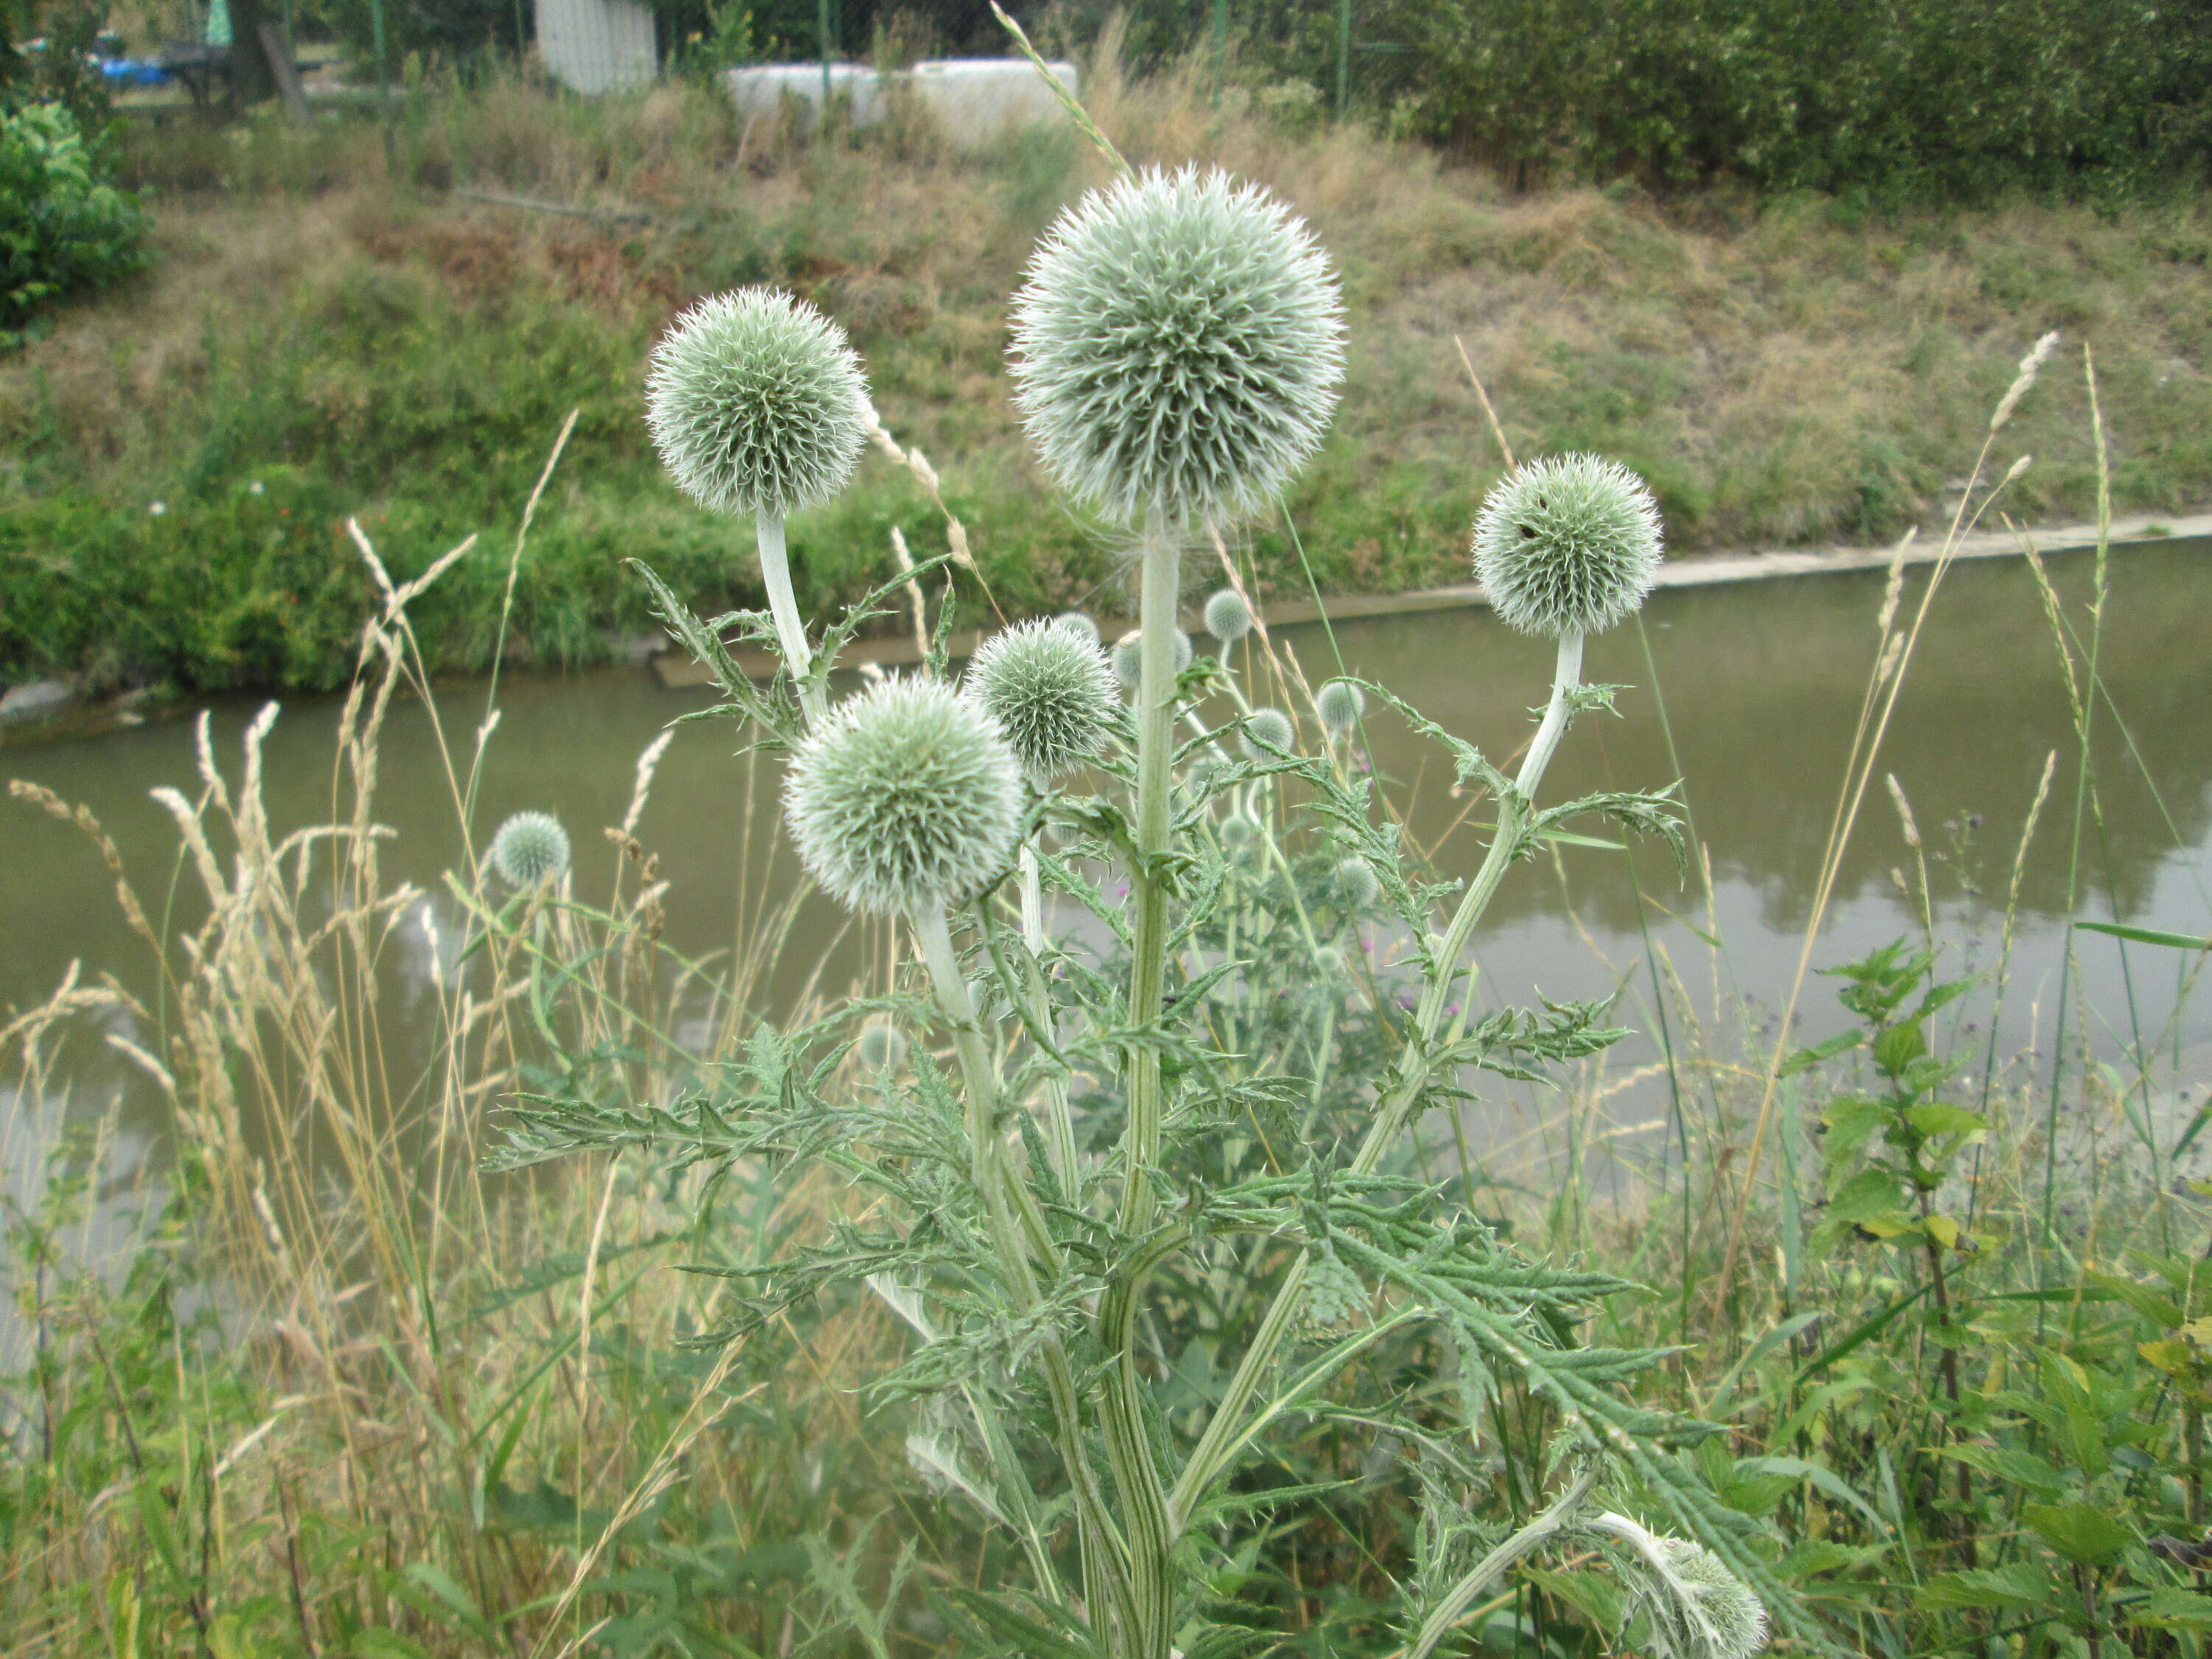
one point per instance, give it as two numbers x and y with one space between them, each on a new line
327 321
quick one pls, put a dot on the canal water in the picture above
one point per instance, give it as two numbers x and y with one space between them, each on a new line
1749 694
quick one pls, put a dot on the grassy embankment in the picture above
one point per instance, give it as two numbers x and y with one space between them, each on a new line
339 1395
329 330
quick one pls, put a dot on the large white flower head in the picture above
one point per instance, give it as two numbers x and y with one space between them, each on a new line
1051 691
1178 347
530 850
756 404
1567 544
905 798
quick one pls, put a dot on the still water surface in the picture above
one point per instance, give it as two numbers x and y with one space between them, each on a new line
1749 693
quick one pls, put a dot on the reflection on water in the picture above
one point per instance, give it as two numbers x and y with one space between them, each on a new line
1761 685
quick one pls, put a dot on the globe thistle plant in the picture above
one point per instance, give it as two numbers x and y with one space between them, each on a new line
1177 348
1567 544
906 798
1228 618
756 404
1338 706
1268 732
1077 622
881 1046
1129 656
530 850
1050 691
1693 1607
1357 887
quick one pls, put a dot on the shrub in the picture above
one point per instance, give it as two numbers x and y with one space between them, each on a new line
63 226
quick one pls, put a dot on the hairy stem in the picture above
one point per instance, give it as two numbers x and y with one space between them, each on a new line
1059 1120
1556 1518
1106 1579
783 606
1395 1110
1136 1476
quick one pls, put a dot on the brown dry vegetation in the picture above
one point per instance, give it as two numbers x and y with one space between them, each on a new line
327 301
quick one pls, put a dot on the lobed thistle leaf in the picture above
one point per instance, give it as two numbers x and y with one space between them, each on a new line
1129 656
756 404
906 796
1340 704
1051 692
529 849
1178 346
1228 618
1567 544
1268 732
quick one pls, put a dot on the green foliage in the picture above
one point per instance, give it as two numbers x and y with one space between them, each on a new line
63 227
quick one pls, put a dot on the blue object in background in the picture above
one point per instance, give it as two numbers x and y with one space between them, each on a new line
134 72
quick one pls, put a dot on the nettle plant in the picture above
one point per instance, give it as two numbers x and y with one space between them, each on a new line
1073 1138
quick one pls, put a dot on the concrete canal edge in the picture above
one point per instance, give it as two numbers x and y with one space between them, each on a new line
675 668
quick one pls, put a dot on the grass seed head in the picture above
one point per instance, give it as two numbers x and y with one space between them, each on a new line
1228 618
1050 690
756 404
906 797
1567 544
1177 348
1340 704
529 849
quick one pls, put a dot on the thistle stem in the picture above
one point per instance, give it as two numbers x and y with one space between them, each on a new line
1136 1476
932 938
783 606
1396 1109
1060 1119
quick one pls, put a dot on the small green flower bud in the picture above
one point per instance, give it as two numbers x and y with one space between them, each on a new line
905 798
756 404
1357 887
1268 732
880 1048
1051 691
1568 544
530 850
1240 836
1129 656
1340 704
1078 623
1178 347
1228 618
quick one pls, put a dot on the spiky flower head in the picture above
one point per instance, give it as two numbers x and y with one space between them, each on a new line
530 848
1178 347
1340 704
1268 730
1228 618
1567 544
1693 1606
756 404
1050 690
1358 886
1078 623
1240 835
1129 656
881 1046
905 798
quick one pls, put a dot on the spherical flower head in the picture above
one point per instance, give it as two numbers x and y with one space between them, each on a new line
1357 887
1129 656
1228 618
756 404
1268 732
881 1046
1178 347
1240 835
530 850
1705 1611
1078 623
905 798
1567 544
1339 705
1051 692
